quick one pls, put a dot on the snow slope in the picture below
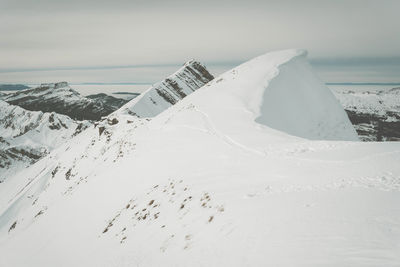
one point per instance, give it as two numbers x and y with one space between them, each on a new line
204 184
168 92
26 136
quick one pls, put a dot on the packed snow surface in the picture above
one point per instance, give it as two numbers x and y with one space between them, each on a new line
211 182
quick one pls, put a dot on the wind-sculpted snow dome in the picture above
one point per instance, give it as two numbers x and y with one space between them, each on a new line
275 91
297 102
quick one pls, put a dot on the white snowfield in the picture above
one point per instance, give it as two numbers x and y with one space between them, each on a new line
215 180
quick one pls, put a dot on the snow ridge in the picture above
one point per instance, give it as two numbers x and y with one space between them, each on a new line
276 92
168 92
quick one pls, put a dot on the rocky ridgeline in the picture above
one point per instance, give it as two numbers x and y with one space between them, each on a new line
169 91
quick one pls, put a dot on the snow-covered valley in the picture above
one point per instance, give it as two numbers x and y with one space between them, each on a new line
259 167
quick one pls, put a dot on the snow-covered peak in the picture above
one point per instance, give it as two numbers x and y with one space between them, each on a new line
278 90
189 62
190 77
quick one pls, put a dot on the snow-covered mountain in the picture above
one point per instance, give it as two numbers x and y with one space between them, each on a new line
62 99
374 114
26 136
214 180
168 92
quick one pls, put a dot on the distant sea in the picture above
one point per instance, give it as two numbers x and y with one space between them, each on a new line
86 89
111 89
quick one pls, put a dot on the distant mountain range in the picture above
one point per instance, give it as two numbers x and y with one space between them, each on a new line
62 99
13 87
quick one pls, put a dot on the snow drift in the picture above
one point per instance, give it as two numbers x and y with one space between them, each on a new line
297 102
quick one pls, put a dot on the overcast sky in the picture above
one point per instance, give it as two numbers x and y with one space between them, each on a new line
144 40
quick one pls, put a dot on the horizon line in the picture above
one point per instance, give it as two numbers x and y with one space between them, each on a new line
150 83
362 83
231 63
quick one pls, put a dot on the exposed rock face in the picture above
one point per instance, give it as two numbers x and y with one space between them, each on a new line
372 127
375 115
62 99
26 136
168 92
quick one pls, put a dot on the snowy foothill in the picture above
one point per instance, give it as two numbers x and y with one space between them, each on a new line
259 167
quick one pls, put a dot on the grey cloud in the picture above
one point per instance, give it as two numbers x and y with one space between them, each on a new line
46 34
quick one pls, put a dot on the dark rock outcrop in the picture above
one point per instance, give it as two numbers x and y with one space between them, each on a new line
374 114
372 127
